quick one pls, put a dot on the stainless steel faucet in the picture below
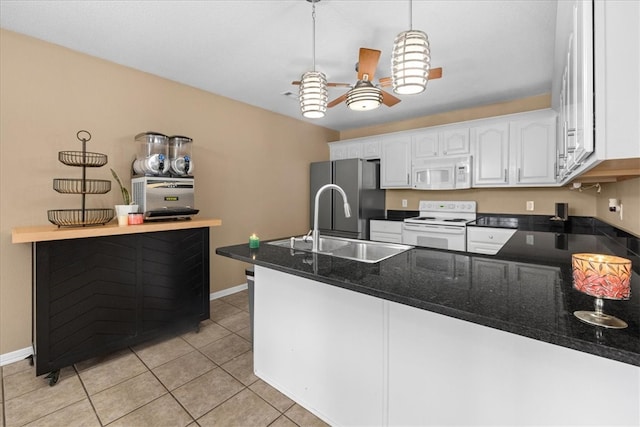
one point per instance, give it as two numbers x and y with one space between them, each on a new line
315 234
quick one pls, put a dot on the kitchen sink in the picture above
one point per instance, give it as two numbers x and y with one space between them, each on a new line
358 250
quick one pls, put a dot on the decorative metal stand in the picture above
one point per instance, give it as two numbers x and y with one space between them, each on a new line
81 217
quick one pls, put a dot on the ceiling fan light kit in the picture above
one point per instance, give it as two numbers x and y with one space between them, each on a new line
364 96
410 62
313 85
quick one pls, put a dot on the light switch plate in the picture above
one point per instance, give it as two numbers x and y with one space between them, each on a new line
530 205
404 203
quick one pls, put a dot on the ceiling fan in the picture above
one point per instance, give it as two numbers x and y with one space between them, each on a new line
365 95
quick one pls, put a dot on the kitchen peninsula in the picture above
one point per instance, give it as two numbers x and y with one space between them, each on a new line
432 337
103 288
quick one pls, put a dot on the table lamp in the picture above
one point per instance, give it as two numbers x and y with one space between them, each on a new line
603 277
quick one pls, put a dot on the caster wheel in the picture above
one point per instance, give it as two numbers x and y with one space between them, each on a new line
53 377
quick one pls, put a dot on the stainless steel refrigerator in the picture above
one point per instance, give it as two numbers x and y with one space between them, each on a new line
360 179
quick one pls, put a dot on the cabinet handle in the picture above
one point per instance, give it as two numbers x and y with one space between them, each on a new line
407 179
505 175
518 174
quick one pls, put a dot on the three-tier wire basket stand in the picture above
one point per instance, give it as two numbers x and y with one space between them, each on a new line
84 159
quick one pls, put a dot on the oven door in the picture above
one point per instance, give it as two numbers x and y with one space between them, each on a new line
435 236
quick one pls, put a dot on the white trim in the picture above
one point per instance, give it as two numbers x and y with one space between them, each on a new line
228 291
15 356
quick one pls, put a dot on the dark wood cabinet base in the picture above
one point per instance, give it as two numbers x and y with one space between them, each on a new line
96 295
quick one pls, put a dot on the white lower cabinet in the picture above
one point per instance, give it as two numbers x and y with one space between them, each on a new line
385 231
487 240
353 359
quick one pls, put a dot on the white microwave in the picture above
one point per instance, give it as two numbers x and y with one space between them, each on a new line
442 174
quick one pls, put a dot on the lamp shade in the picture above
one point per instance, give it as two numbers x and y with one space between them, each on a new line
313 94
364 96
410 62
602 276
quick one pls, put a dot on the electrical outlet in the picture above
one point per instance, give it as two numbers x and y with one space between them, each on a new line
620 211
530 205
404 203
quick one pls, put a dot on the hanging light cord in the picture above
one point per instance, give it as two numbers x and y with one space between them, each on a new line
410 14
313 36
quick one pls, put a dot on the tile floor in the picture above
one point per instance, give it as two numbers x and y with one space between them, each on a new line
196 379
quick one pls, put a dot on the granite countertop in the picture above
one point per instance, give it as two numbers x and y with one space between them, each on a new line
525 289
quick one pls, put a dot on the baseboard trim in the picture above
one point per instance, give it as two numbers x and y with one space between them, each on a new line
15 356
228 291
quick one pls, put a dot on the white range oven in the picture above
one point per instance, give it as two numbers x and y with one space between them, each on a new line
441 225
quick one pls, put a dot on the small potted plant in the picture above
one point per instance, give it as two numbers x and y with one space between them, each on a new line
128 206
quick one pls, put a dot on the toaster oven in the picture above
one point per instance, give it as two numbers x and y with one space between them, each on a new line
164 197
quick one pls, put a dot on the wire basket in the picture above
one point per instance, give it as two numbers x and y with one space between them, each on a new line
80 217
79 186
81 158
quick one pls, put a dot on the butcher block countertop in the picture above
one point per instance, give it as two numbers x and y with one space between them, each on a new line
42 233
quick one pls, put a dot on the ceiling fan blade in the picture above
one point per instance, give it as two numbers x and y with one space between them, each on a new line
368 63
385 82
388 99
337 101
434 73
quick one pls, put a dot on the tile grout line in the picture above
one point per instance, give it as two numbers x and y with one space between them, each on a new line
87 393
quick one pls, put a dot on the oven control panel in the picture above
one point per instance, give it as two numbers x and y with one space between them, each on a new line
447 206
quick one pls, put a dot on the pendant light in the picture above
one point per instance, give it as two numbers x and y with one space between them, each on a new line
313 84
410 60
364 96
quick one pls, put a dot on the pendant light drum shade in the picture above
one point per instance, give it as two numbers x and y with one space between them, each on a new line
364 97
313 94
410 62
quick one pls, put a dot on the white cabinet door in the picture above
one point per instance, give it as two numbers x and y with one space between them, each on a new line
535 150
426 144
385 231
371 148
338 151
395 162
454 141
449 141
491 155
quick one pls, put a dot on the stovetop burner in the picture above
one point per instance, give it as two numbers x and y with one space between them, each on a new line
425 218
454 220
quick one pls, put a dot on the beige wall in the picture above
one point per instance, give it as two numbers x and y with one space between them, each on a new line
251 165
628 193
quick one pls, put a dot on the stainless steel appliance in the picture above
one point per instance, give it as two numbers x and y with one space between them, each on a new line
360 179
441 224
442 174
164 197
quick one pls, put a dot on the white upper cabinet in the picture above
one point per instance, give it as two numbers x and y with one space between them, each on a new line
447 141
595 83
395 162
491 154
534 141
362 148
515 150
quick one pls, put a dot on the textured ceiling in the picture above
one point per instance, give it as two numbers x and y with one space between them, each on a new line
250 51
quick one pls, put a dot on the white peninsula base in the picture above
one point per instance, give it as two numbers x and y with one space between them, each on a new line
353 359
